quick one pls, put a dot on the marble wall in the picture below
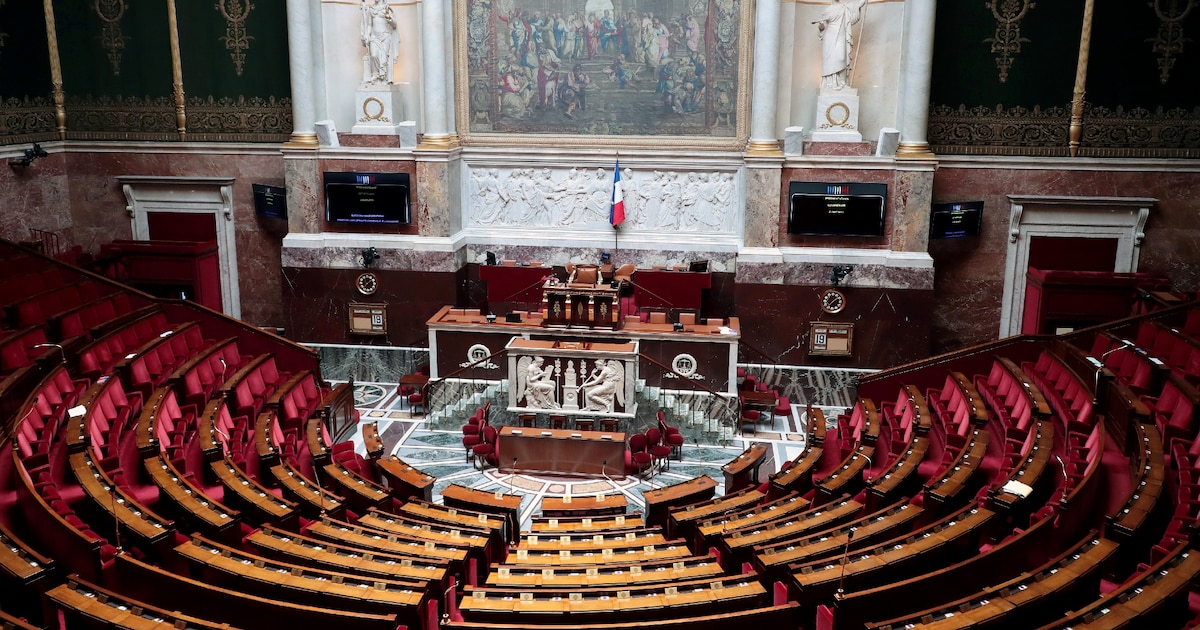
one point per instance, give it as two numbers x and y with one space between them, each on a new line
970 271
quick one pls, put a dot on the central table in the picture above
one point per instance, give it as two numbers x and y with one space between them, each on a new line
560 451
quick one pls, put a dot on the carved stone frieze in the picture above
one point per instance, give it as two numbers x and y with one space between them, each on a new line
655 201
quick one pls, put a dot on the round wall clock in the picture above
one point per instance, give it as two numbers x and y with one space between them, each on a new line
833 301
367 283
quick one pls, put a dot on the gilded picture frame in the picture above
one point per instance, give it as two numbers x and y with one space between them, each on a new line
603 73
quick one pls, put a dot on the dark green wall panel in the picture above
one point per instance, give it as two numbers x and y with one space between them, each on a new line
26 107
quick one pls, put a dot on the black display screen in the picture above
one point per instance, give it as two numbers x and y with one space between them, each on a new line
955 220
270 201
379 198
823 209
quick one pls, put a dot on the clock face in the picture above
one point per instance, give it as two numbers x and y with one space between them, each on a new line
833 301
367 283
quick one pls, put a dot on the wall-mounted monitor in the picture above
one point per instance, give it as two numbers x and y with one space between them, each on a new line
269 201
958 219
848 209
368 198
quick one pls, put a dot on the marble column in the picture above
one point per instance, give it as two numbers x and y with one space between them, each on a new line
437 132
763 140
918 72
300 61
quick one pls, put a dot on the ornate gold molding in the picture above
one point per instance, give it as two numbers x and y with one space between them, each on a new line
438 143
763 148
914 151
111 12
1044 132
121 118
1007 39
1170 38
27 120
247 119
237 38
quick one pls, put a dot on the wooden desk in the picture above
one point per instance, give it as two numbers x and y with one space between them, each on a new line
496 525
454 553
22 565
568 524
741 544
476 540
898 479
581 507
829 543
233 568
343 558
957 474
361 493
682 521
507 506
586 453
404 480
568 558
312 499
752 518
760 401
145 526
371 440
605 575
1031 467
190 502
79 600
742 471
763 617
578 304
252 498
798 476
847 477
659 502
590 542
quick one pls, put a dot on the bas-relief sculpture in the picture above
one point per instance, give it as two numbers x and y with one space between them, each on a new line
603 389
650 67
691 202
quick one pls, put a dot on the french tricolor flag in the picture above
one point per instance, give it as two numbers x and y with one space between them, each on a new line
616 213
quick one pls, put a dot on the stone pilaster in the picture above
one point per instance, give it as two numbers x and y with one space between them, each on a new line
764 176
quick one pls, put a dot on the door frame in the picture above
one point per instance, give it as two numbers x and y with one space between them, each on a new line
1120 218
199 195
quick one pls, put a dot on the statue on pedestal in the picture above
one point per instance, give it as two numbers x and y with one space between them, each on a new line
835 29
378 32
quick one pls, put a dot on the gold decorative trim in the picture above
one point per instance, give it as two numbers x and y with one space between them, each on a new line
111 12
1007 39
300 140
27 120
1075 133
121 118
1170 38
914 151
377 115
252 119
237 38
1043 132
763 148
842 120
438 142
56 82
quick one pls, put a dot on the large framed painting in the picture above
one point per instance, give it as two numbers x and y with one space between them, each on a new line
622 72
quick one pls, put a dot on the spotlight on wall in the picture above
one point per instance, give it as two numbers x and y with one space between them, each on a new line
839 273
31 154
369 256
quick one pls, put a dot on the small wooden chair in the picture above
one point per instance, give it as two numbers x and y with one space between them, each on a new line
610 424
585 424
527 419
558 422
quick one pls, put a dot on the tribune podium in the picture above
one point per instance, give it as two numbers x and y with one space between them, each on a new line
580 304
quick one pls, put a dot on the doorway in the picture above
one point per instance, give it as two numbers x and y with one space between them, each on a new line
195 209
1074 233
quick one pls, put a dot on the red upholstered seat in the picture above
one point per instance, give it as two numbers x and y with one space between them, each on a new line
640 458
485 451
472 437
416 400
659 452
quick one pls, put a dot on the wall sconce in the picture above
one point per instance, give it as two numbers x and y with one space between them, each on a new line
31 154
839 273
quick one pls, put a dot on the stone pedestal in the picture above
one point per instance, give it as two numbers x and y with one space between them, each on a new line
793 141
837 116
378 110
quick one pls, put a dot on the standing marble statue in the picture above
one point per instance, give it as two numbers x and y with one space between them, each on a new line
836 32
378 32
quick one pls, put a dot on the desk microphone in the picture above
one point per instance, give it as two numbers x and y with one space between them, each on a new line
512 490
841 592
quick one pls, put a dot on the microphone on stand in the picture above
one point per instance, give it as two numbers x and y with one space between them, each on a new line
512 490
841 591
